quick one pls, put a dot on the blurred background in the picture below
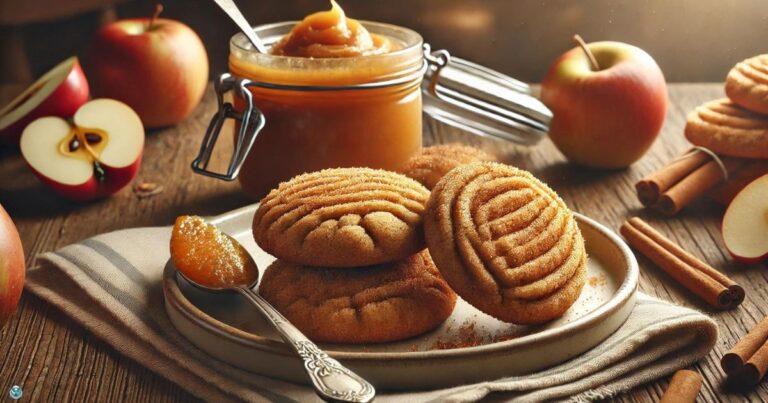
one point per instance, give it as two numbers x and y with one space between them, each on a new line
692 40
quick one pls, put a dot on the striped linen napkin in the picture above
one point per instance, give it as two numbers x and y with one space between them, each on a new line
111 284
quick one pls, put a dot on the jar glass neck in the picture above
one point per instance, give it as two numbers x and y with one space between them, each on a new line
245 62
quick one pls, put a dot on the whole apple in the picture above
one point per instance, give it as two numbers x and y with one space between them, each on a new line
605 117
58 92
11 267
156 66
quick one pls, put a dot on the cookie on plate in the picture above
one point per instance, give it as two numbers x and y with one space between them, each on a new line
747 84
432 163
375 304
342 217
505 242
728 129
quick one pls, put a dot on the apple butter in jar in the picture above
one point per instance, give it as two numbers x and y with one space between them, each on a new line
334 92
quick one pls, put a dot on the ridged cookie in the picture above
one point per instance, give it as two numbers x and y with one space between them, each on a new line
432 163
342 217
728 129
747 84
505 242
388 302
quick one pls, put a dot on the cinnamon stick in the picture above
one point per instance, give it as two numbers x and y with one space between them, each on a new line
748 359
650 188
683 388
698 277
755 368
699 182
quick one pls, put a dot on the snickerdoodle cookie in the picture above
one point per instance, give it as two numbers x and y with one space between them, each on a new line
432 163
342 217
505 242
747 83
374 304
728 129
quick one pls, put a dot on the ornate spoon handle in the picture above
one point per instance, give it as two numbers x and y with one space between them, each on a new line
332 381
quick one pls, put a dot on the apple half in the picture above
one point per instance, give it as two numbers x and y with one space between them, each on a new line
95 156
745 224
60 92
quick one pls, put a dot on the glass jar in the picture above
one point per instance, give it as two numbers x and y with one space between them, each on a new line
321 113
294 114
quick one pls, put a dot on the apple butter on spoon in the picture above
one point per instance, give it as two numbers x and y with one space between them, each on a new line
205 256
214 261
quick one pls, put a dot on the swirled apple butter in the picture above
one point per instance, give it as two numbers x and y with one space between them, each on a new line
331 34
335 92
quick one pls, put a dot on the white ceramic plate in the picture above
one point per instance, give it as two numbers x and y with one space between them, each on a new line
228 328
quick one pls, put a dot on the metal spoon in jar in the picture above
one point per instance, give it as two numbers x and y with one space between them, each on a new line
332 381
234 13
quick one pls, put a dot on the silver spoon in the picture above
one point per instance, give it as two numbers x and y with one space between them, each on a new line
234 13
332 381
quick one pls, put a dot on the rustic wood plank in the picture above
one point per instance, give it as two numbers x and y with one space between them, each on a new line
54 359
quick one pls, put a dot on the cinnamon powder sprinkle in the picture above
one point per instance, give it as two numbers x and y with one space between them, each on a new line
468 336
596 281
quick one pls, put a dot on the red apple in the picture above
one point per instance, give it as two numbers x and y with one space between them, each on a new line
57 93
95 156
745 224
11 267
157 66
606 117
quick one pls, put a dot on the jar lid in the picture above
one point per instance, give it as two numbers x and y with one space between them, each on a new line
482 101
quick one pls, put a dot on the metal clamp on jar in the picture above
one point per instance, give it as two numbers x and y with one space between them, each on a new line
294 115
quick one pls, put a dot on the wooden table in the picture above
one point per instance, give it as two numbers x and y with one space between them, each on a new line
54 359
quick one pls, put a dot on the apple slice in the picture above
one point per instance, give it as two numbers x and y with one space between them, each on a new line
94 157
57 93
745 224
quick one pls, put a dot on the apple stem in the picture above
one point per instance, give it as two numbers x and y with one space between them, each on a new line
590 56
158 10
98 171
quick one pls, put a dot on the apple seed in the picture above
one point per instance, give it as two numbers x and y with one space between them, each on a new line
147 189
74 144
92 138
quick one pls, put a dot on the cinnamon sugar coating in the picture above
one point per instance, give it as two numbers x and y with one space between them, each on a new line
728 129
433 162
342 217
747 84
505 242
388 302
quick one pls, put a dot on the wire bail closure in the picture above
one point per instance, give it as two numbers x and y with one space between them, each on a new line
482 101
251 122
436 60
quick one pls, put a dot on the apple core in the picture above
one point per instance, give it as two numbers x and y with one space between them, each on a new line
85 144
16 103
